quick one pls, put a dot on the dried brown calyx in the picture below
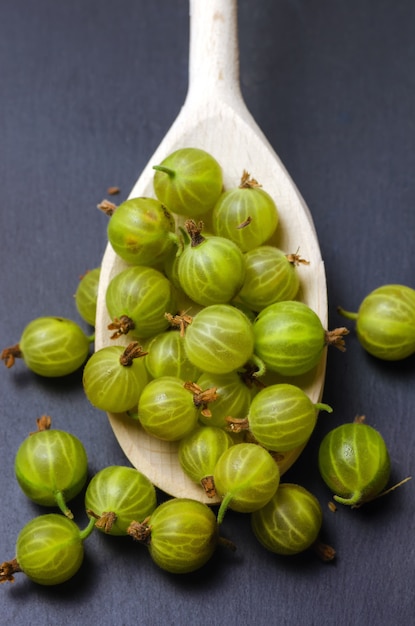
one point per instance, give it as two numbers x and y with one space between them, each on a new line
195 232
336 338
237 424
122 326
105 521
7 571
296 259
133 351
113 190
202 398
247 182
140 531
208 485
325 552
9 355
107 207
43 423
180 320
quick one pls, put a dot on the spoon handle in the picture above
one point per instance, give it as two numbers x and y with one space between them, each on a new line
213 52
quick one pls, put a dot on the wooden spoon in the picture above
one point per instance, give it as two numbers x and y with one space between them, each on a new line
215 118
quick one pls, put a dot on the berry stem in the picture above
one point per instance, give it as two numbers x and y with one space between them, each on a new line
259 366
354 501
83 534
166 170
384 493
321 406
60 501
349 314
224 507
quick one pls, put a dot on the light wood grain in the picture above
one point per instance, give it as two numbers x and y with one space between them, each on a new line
214 117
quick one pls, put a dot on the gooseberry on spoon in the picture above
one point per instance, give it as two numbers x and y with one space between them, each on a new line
214 109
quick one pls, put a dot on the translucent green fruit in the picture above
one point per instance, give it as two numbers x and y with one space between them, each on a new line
50 347
188 182
115 376
181 535
290 522
137 300
246 477
199 452
290 338
166 409
354 463
271 276
385 322
282 417
247 215
119 495
141 231
210 270
220 339
167 357
86 295
49 549
51 468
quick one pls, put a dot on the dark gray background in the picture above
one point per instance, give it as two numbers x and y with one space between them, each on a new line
88 89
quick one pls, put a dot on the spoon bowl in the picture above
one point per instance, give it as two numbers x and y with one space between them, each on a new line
215 118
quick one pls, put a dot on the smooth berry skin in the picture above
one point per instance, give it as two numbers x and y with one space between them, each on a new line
354 463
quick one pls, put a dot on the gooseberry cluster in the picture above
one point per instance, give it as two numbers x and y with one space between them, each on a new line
51 468
208 313
209 337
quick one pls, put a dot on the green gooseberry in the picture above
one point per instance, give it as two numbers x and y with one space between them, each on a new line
181 535
271 276
141 231
50 347
51 468
247 215
188 181
233 398
290 338
246 477
290 522
49 550
385 322
115 376
166 408
282 417
86 295
137 300
220 339
354 463
199 452
211 270
117 495
167 357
